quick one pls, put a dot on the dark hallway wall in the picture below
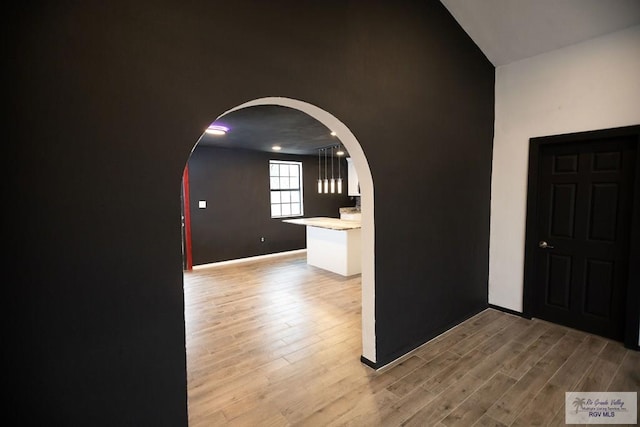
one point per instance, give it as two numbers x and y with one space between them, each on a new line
235 185
106 100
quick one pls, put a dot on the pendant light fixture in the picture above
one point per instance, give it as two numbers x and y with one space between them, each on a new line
326 180
340 153
319 173
333 180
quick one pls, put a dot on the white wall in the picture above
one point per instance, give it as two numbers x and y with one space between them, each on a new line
587 86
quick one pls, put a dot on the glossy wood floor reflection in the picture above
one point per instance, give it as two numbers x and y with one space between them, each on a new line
277 343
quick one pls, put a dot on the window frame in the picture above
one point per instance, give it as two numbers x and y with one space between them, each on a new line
286 189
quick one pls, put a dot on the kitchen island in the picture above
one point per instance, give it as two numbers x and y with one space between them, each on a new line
332 244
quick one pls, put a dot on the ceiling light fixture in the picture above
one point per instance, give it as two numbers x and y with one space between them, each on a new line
333 133
217 130
276 148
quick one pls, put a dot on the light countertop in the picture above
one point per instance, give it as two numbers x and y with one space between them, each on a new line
326 222
350 210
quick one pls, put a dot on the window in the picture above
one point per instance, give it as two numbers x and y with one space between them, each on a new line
286 188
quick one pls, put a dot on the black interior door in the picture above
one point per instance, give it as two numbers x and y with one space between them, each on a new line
584 201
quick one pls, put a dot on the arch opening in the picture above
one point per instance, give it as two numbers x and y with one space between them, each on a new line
367 207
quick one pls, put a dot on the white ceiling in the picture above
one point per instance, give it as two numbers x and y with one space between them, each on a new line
511 30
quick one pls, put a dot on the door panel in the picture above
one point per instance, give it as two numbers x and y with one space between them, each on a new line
563 208
604 211
559 281
599 288
584 202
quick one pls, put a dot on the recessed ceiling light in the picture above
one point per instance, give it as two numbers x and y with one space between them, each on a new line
276 148
340 153
217 130
333 133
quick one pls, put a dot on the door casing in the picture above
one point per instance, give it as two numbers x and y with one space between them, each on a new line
632 309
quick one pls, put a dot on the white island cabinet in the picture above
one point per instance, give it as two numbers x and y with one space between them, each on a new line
332 244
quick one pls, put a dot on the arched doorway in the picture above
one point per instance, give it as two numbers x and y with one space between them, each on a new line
367 203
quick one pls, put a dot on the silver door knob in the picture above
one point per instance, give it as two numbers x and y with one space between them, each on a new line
544 245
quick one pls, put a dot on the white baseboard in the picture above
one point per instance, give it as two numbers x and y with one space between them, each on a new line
249 259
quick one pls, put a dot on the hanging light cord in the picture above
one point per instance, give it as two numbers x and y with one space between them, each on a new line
325 163
331 162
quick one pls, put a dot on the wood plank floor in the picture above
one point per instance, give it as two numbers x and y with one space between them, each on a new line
277 343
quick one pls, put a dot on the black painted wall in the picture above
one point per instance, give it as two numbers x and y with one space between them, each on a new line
235 185
106 100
